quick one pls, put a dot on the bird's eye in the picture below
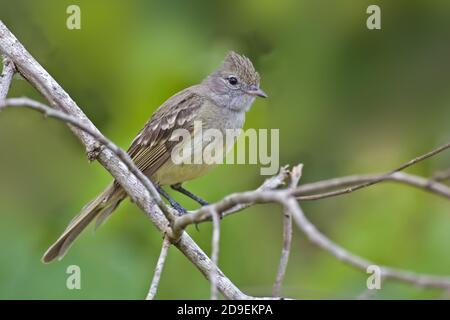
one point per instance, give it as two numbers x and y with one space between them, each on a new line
233 80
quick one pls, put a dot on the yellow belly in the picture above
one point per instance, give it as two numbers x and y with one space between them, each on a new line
171 173
187 168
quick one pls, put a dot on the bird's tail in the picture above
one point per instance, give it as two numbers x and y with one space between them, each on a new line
101 207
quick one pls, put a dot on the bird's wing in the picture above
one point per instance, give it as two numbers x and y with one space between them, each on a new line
152 148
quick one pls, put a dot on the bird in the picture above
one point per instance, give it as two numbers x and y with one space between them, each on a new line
219 102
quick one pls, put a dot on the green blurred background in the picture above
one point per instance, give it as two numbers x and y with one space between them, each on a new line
346 100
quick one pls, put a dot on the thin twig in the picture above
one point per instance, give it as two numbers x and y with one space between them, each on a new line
285 252
6 77
430 185
381 178
215 243
158 269
271 183
295 176
204 213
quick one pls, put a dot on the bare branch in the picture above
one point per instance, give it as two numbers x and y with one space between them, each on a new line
269 184
317 238
285 252
295 176
158 270
430 185
215 252
6 77
203 214
301 192
378 179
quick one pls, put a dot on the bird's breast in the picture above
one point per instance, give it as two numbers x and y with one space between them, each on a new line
214 134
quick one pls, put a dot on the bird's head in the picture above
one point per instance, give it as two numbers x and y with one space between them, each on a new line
235 84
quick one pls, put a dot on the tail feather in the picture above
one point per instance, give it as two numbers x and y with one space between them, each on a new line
105 213
106 202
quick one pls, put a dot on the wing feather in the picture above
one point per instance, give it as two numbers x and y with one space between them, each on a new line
152 147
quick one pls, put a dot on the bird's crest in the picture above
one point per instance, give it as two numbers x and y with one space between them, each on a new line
241 66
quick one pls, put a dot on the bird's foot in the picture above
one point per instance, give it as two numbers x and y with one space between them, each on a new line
181 211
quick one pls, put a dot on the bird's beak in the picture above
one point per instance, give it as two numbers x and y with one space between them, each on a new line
257 92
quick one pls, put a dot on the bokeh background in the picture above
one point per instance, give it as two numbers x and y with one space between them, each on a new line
346 100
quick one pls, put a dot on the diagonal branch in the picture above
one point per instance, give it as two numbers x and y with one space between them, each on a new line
31 70
320 240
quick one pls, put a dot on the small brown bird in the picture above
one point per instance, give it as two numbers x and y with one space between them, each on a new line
220 102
